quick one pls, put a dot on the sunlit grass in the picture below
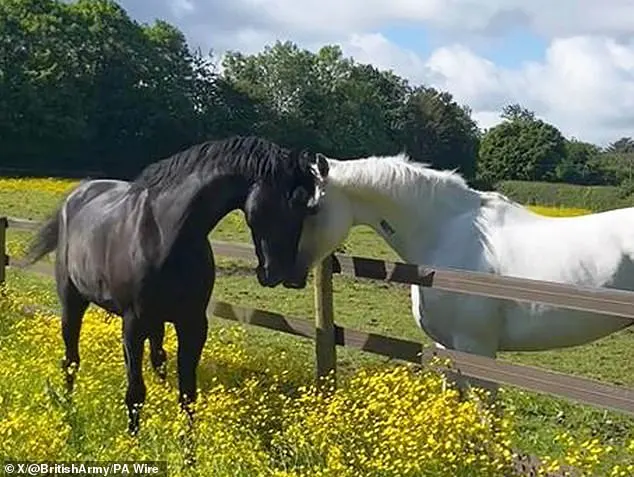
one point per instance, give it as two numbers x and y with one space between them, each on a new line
94 426
255 416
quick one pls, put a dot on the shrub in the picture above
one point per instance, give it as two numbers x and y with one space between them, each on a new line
594 198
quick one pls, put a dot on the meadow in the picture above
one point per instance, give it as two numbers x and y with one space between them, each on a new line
258 413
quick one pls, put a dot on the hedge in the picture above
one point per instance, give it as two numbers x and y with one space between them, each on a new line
595 198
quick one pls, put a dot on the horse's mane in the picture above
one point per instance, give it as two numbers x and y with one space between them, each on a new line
402 178
255 158
398 175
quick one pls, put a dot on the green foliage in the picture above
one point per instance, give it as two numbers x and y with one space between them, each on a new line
320 100
580 164
82 86
625 145
521 148
439 131
85 88
515 112
595 198
615 167
329 103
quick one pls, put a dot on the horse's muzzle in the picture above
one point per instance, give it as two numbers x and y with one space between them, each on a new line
297 280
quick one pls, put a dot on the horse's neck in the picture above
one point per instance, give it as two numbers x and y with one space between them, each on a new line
410 215
195 207
389 222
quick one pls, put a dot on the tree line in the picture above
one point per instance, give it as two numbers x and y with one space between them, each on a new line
83 87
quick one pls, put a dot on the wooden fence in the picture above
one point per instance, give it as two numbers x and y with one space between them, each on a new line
328 335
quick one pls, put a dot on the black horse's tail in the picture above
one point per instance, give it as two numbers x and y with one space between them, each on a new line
45 240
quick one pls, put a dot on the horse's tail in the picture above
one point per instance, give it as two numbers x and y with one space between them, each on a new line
45 240
47 237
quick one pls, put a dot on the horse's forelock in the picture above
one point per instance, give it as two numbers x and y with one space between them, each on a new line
319 186
311 177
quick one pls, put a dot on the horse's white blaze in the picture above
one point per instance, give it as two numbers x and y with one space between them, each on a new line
432 217
319 187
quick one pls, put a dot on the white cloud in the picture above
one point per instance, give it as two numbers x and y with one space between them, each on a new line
220 23
374 48
181 8
584 84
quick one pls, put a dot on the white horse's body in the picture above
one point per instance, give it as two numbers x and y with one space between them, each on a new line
432 217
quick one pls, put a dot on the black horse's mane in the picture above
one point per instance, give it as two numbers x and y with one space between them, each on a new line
255 158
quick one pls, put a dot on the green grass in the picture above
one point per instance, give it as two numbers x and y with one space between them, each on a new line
385 309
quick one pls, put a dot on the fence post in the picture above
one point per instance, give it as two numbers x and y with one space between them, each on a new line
4 223
325 345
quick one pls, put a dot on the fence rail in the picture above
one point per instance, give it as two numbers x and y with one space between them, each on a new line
328 335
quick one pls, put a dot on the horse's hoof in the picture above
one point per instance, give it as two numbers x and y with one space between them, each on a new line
134 419
69 370
133 427
188 410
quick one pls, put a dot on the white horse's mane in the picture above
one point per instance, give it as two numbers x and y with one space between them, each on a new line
401 178
400 168
412 182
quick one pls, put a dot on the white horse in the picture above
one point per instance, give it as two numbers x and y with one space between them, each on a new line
434 218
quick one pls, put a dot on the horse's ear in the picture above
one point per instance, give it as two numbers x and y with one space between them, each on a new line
322 164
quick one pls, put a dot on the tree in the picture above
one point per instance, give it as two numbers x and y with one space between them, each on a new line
439 131
332 104
514 112
281 80
367 112
580 165
617 163
615 167
521 147
40 111
83 87
137 89
625 145
321 100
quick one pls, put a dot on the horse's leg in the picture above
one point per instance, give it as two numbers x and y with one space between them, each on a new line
73 308
469 324
467 344
134 334
158 356
192 334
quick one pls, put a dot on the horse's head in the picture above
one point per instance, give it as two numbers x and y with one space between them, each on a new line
322 233
275 212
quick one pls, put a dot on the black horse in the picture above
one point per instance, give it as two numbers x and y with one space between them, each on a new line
140 249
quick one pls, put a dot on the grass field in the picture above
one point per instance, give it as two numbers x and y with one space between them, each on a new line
238 356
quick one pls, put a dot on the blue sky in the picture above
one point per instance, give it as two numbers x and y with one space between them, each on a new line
571 61
515 48
509 50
